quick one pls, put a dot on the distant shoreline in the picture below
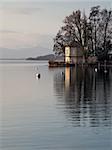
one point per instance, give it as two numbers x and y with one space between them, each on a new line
12 58
41 58
46 57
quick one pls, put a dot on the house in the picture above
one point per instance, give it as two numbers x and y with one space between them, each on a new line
74 54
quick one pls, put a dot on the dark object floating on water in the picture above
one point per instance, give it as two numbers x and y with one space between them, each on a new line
38 75
62 73
96 69
105 71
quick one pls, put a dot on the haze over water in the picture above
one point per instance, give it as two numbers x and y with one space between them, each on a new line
70 111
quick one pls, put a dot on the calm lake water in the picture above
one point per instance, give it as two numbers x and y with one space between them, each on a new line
60 111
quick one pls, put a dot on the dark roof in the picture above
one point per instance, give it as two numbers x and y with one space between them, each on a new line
74 44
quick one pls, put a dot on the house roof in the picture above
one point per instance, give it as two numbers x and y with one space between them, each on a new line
74 44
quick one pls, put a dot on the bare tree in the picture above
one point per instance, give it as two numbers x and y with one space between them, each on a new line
94 23
74 30
93 34
101 31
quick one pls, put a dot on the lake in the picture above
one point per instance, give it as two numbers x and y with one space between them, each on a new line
66 109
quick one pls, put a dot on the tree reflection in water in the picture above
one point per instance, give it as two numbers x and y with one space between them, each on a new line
85 96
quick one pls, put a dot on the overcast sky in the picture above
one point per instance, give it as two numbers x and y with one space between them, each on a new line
28 27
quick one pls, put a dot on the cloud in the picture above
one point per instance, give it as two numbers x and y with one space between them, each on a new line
12 39
8 31
20 8
26 11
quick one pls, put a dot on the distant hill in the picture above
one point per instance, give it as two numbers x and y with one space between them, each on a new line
46 57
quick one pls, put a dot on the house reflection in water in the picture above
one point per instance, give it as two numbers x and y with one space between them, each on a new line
85 95
67 77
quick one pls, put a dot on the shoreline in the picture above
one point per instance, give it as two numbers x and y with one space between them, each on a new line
63 64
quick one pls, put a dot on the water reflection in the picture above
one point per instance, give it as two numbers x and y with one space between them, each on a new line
85 96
